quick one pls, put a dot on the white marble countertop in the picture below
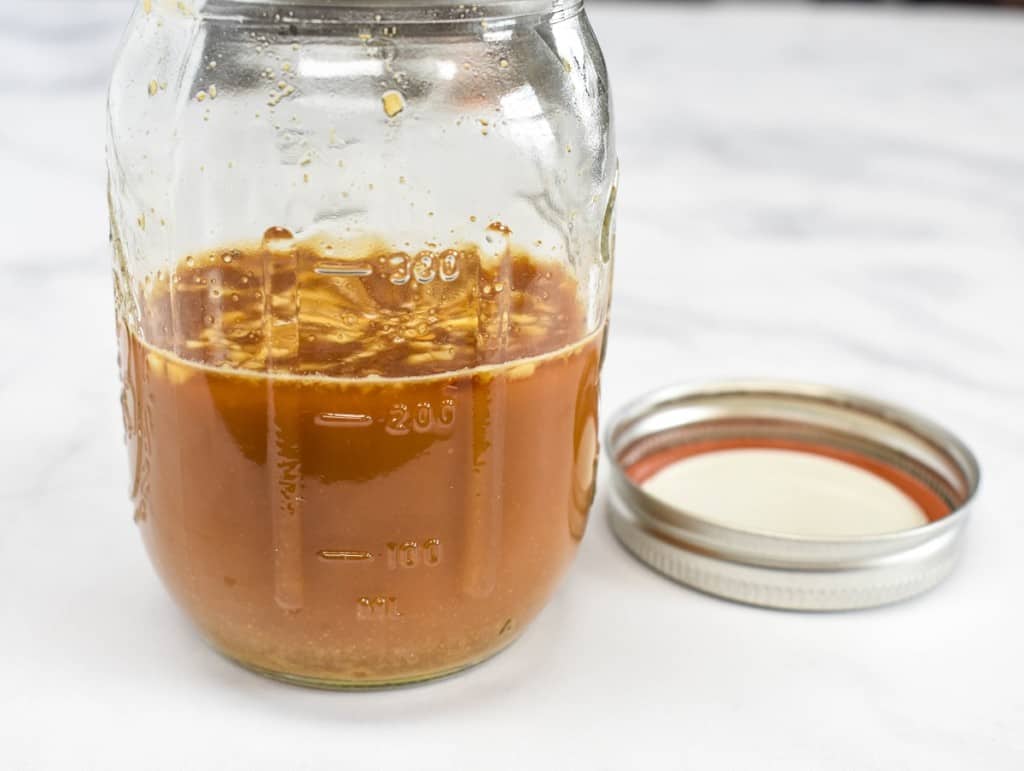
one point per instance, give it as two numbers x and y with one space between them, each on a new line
825 193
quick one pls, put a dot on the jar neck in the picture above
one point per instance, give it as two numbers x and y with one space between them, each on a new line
386 11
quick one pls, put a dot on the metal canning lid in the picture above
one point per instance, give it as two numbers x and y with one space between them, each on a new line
768 566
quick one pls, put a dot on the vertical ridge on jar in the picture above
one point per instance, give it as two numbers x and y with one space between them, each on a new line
284 432
179 336
484 509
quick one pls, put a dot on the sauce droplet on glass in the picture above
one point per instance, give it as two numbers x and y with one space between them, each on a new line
393 102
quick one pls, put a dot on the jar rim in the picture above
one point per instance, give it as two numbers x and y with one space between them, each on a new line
392 11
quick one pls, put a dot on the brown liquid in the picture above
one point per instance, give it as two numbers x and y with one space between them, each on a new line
362 470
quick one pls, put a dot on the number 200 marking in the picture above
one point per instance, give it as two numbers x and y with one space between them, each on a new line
424 418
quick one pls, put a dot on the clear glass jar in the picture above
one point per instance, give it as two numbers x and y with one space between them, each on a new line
363 261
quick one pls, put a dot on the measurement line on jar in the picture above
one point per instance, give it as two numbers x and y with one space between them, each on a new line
345 555
343 420
344 269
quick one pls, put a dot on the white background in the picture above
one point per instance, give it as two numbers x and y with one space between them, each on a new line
831 193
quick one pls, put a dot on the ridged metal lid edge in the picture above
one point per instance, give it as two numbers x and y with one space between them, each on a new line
776 571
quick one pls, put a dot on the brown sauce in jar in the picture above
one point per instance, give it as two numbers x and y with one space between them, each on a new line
360 468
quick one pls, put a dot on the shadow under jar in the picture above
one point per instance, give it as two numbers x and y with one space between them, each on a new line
363 261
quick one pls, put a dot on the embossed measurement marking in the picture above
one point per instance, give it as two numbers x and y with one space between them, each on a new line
411 554
377 608
346 555
423 418
344 269
343 420
425 267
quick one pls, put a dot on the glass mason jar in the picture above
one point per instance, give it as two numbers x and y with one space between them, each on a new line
363 261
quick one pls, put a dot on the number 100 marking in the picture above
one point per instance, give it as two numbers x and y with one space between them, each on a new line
412 554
